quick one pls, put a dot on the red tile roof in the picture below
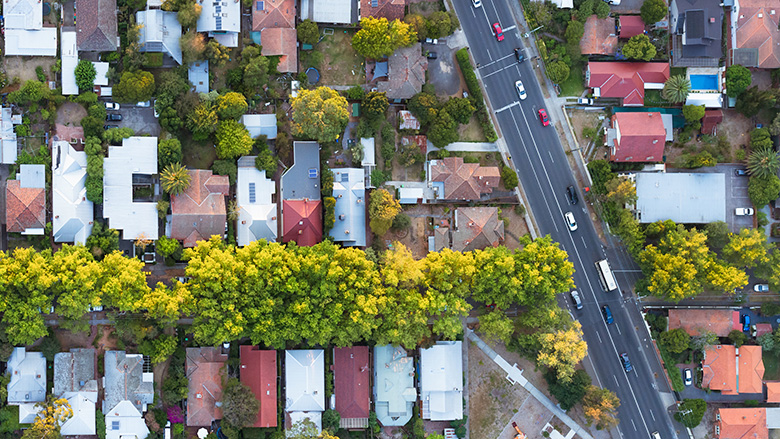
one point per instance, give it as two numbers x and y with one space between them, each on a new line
200 212
751 369
742 423
763 328
258 371
284 42
478 228
719 369
463 181
351 373
772 391
631 25
760 33
711 120
390 9
640 137
599 37
697 321
275 14
25 208
302 221
205 369
626 80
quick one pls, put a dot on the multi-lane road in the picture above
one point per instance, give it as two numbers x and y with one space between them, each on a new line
545 174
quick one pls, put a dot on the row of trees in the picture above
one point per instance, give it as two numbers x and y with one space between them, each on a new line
441 119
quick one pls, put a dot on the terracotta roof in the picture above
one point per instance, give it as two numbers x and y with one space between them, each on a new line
200 211
284 42
390 9
751 369
720 369
96 28
205 368
697 321
772 391
258 371
762 33
478 228
641 137
68 133
302 221
763 328
631 25
406 73
626 80
351 372
463 181
25 207
711 120
274 14
599 37
742 423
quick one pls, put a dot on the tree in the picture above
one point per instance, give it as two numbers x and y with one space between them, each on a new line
134 87
767 342
188 14
382 209
255 74
755 99
763 190
639 47
378 37
443 130
308 32
239 405
85 75
690 412
102 241
114 136
562 350
621 191
749 248
231 105
558 71
233 140
600 405
167 246
763 163
265 161
704 340
460 109
217 54
495 325
168 152
774 128
330 420
193 46
675 341
509 177
31 92
202 121
440 24
418 24
162 208
717 234
375 105
425 107
653 11
760 139
693 113
175 179
676 88
53 413
319 114
570 393
738 79
737 337
601 173
602 10
574 32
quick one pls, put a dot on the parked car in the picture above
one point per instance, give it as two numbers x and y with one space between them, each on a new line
575 297
543 117
572 195
753 331
144 104
761 288
432 40
97 308
112 106
108 127
519 54
746 323
626 362
585 101
741 172
477 3
520 90
432 55
688 377
570 221
113 117
497 31
743 211
607 313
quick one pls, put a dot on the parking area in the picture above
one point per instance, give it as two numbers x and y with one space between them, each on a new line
627 7
140 119
442 72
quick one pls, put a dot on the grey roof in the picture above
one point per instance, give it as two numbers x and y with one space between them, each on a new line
394 392
328 11
260 124
96 25
28 377
682 197
198 75
160 32
74 371
350 211
700 22
32 176
302 180
125 380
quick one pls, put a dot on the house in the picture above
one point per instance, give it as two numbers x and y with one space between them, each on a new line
25 201
69 54
101 73
453 179
125 421
221 19
476 228
636 137
698 321
772 391
351 372
407 121
24 32
75 380
160 32
696 27
329 11
626 81
630 25
257 208
746 423
258 372
126 168
96 26
733 370
755 37
8 146
441 381
599 37
406 73
274 20
350 193
200 212
410 195
73 215
390 9
304 378
127 391
205 368
198 75
260 124
687 198
394 392
369 159
709 124
28 382
301 204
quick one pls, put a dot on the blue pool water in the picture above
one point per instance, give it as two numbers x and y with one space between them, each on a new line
704 82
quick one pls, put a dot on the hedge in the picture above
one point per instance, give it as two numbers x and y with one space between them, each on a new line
464 61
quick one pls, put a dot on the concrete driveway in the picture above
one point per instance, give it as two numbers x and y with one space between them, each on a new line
140 119
442 72
627 7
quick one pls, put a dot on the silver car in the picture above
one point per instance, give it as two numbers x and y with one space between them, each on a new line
520 90
570 221
575 297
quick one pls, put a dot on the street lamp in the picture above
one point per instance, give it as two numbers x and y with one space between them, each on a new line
527 34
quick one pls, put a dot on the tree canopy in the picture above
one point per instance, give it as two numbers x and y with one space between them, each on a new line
738 79
378 37
639 47
233 140
653 11
134 87
320 114
85 75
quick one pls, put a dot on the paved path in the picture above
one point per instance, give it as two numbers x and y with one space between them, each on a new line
472 147
515 376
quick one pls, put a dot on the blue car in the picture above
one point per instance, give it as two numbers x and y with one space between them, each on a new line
626 363
746 324
607 313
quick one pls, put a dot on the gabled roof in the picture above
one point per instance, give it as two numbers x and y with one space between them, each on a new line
462 181
70 59
394 392
28 377
125 380
8 146
260 124
640 137
96 25
305 380
72 213
763 328
302 221
599 37
351 373
160 32
25 200
700 24
441 381
83 420
742 423
200 212
74 371
757 34
350 210
221 19
258 371
631 25
625 80
273 14
205 368
477 228
697 321
124 421
284 42
257 214
751 369
390 9
406 75
772 391
719 368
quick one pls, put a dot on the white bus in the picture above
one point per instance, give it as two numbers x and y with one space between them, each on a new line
605 276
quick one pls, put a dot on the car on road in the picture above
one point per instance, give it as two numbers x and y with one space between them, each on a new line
570 221
761 288
476 3
688 377
741 172
572 195
746 323
432 55
519 54
626 362
113 117
520 90
607 313
112 106
543 117
585 101
743 211
497 31
655 435
575 297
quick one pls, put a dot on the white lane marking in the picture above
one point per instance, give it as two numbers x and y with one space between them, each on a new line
636 373
618 329
583 241
551 157
626 271
599 336
497 71
632 423
493 62
651 414
515 103
617 384
513 27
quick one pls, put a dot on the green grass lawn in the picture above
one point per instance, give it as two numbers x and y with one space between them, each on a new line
771 366
677 71
654 98
572 86
341 65
197 155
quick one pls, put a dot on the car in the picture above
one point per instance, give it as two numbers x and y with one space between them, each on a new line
607 313
476 3
93 308
572 195
113 117
520 90
108 127
432 55
688 377
741 172
144 104
745 323
743 211
432 40
761 288
626 362
575 297
112 106
519 54
655 435
543 117
156 113
570 221
753 331
497 31
585 101
613 2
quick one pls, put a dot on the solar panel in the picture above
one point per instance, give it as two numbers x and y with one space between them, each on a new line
313 173
251 192
374 3
260 6
218 16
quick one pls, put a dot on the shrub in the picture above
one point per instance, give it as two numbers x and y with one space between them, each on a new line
509 177
226 167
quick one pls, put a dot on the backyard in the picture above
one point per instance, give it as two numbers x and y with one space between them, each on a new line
573 85
335 59
197 155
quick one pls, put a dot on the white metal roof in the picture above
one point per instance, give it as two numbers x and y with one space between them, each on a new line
221 19
394 392
7 137
410 195
125 421
160 32
258 124
709 100
23 14
692 198
198 75
369 151
28 377
73 214
305 380
350 193
257 219
24 42
70 59
83 420
327 11
101 73
441 381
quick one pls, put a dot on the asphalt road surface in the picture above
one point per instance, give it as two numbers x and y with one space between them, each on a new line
545 174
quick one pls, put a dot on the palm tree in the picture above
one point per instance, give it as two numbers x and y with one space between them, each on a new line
763 163
175 179
676 89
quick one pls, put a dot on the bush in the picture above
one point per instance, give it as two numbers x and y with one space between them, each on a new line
770 309
378 178
226 167
401 222
329 215
356 93
690 412
509 177
568 394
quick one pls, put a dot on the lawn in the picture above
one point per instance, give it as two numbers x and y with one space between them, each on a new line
341 65
771 366
654 98
677 71
472 131
197 155
572 86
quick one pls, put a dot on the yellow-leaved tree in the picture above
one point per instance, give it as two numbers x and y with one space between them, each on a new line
320 114
54 412
562 350
600 406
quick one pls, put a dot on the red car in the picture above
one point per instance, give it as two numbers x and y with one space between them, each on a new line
498 32
543 117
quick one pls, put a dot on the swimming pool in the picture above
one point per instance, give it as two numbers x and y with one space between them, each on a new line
704 82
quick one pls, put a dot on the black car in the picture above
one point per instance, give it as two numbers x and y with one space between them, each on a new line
740 172
572 195
432 55
519 55
625 361
114 117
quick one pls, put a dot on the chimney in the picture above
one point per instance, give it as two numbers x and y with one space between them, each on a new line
243 222
273 218
760 15
346 232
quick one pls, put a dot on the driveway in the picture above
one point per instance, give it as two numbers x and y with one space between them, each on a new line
442 72
140 119
627 7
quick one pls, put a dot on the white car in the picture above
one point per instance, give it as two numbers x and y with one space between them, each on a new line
112 106
477 3
144 104
520 90
742 211
570 221
761 288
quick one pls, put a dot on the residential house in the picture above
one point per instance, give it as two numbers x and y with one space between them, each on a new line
301 204
744 423
221 19
697 27
200 212
772 391
304 378
8 146
257 208
28 382
205 368
407 121
75 380
698 321
351 372
96 25
630 25
330 11
160 32
454 180
350 193
69 54
599 37
274 20
733 370
626 81
260 124
441 381
406 75
688 198
73 214
755 36
390 9
128 388
636 137
394 392
198 75
24 32
475 228
258 372
126 168
25 201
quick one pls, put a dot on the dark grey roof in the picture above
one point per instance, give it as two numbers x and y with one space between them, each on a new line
302 180
747 57
701 23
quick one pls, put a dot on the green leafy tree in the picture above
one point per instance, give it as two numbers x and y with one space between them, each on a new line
175 179
308 33
168 152
167 246
114 136
375 105
239 405
441 23
425 107
319 114
159 348
737 337
600 406
378 37
134 87
562 350
188 14
738 79
639 47
460 109
231 105
330 420
85 75
495 325
704 340
602 10
676 89
256 73
767 342
102 241
717 234
693 113
675 340
763 163
601 173
558 71
760 139
226 167
763 190
753 100
653 11
443 130
233 139
265 161
202 121
31 92
574 32
382 209
691 412
419 24
569 393
162 209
